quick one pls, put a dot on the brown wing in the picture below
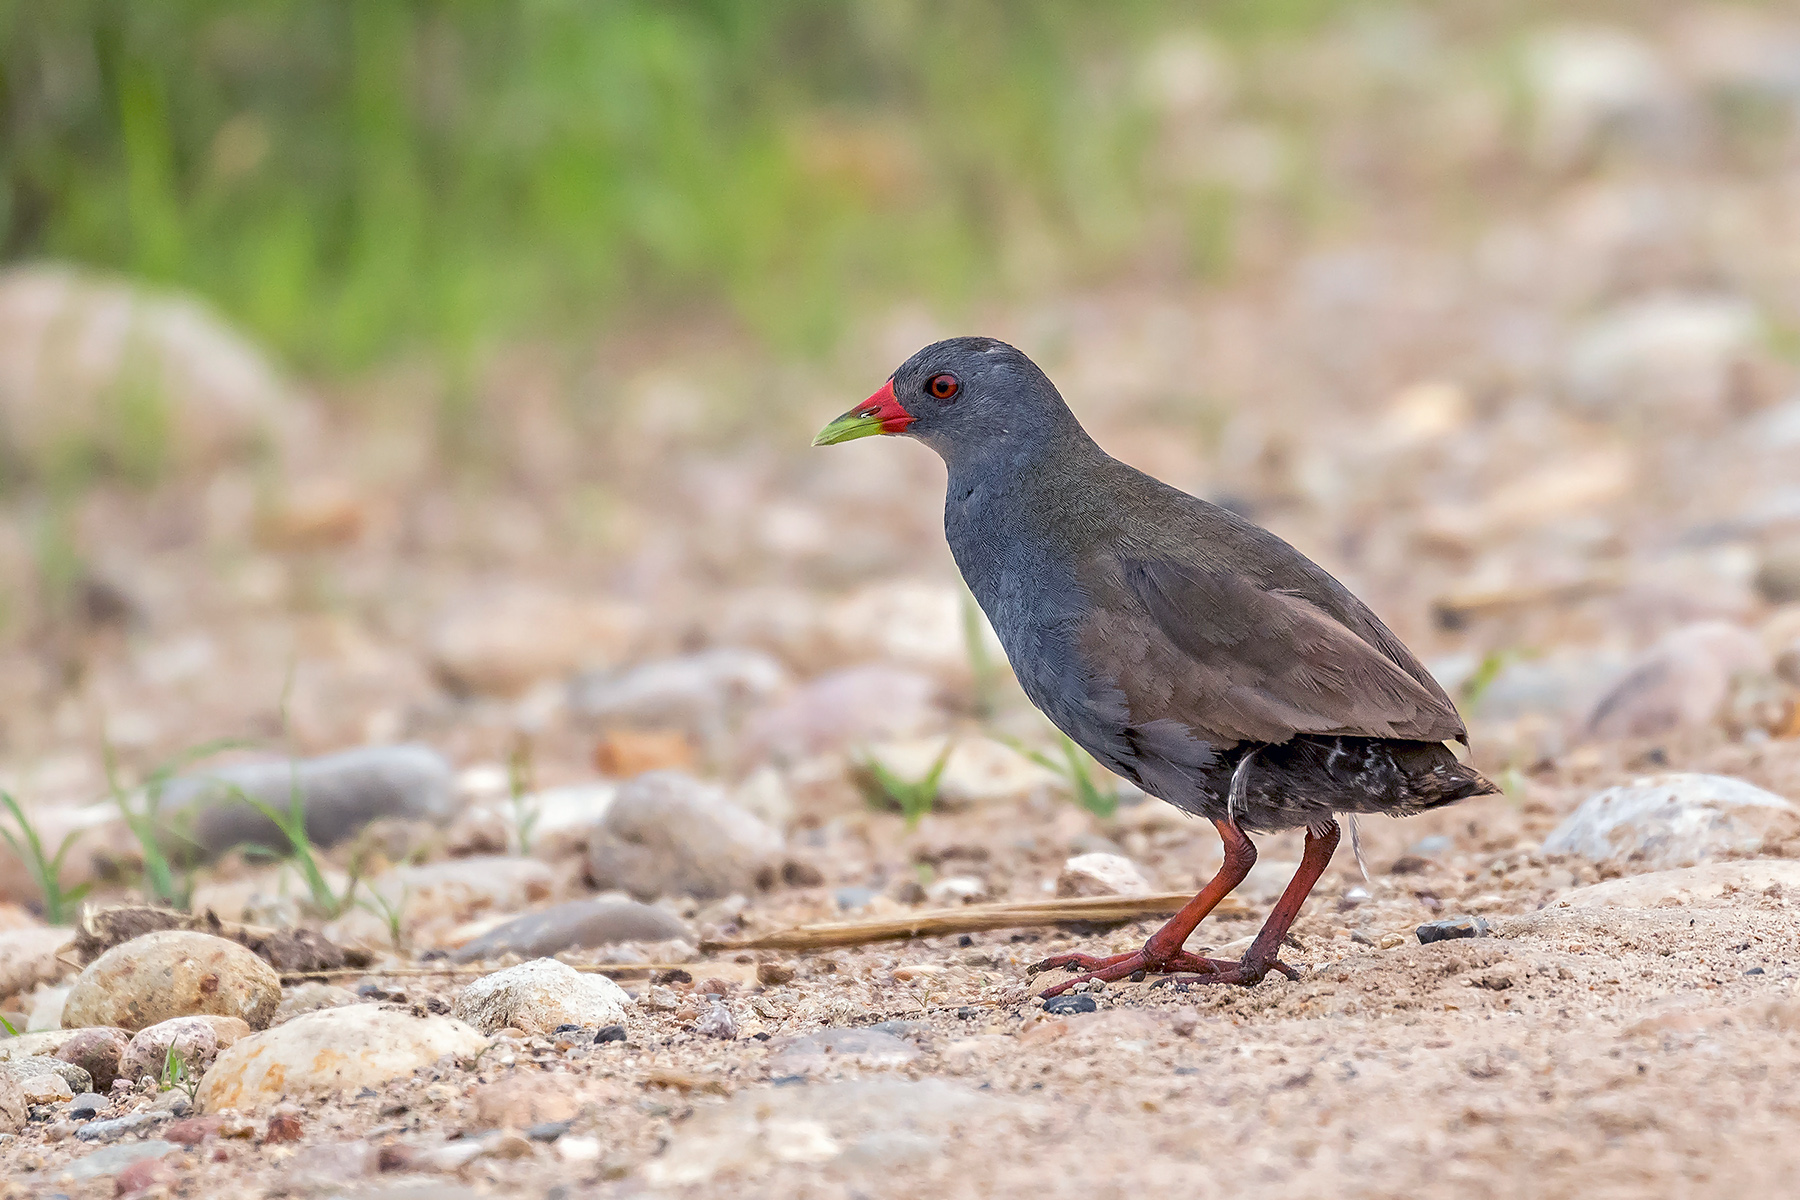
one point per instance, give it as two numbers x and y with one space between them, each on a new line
1237 661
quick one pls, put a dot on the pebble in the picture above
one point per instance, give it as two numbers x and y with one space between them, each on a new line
854 706
118 1127
701 693
1682 682
668 834
88 1105
45 1089
1451 927
827 1048
1101 874
538 996
1068 1004
195 1040
1674 820
773 974
114 1159
97 1051
173 973
332 1050
12 1105
609 1033
717 1022
72 1076
340 793
576 925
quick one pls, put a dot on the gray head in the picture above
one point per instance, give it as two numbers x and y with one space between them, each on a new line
964 397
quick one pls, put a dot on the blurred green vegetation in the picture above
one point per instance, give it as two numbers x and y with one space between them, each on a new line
357 178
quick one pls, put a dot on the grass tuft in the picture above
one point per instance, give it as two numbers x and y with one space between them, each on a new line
45 870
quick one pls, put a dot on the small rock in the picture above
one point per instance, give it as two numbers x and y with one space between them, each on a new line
340 793
284 1126
334 1049
628 753
540 995
1452 927
88 1105
520 1100
855 706
1703 886
717 1022
773 974
118 1127
1682 682
668 834
196 1041
45 1089
609 1033
1069 1004
173 973
1674 820
849 899
703 693
311 996
96 1051
1101 874
72 1076
576 925
839 1047
114 1159
191 1131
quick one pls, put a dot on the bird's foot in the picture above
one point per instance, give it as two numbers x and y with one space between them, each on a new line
1243 972
1124 966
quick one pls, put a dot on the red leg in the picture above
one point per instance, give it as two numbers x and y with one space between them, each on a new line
1261 957
1163 951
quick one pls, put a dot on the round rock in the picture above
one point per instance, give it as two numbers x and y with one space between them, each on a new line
538 996
668 834
98 1052
195 1040
334 1049
173 973
1675 820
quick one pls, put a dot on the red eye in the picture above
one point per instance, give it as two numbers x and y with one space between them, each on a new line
942 386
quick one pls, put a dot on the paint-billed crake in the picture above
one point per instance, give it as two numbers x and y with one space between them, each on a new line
1187 650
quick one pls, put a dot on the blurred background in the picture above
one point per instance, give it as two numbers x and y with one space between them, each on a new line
376 373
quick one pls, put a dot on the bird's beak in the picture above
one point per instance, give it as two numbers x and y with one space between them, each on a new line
880 413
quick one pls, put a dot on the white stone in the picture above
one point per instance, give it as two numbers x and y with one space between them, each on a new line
1703 886
1673 820
540 995
1101 874
332 1050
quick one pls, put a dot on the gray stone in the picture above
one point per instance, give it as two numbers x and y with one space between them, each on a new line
1675 820
196 1041
22 1069
114 1159
829 1048
118 1127
340 793
668 834
717 1022
702 693
540 996
173 973
1450 928
576 925
1682 682
332 1050
88 1105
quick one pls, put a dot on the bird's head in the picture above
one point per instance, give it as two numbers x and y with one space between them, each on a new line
956 395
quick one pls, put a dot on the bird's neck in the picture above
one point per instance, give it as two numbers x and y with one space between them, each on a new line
1014 457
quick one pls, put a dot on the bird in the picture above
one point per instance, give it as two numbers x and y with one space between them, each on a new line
1186 649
